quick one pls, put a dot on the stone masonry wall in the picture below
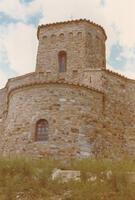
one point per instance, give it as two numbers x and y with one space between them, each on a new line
130 115
92 78
71 111
95 48
83 42
3 102
88 78
3 113
117 113
116 99
116 117
3 107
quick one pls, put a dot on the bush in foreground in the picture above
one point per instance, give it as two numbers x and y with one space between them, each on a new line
100 179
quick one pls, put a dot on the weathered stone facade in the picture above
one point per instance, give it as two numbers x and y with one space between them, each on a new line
89 109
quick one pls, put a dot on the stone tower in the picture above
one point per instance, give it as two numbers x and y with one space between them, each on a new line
81 42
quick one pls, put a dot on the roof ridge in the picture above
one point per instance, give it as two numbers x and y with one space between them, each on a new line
116 73
39 82
70 21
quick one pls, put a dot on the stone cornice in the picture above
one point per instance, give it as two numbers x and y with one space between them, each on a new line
19 78
119 75
43 82
37 78
111 73
69 22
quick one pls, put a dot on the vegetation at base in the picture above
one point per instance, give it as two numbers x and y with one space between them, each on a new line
30 179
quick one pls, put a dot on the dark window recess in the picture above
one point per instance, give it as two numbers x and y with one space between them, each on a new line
42 130
62 61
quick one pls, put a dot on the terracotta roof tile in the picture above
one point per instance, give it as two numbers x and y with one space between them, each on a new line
69 22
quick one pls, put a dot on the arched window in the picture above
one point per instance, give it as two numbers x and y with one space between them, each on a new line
41 130
62 61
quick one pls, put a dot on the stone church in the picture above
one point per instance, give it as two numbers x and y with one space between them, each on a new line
71 106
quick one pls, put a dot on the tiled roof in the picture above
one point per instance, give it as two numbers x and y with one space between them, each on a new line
69 22
117 74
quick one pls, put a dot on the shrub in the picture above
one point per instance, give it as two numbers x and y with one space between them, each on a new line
22 178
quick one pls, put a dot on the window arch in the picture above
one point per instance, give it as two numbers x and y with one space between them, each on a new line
41 130
79 34
62 56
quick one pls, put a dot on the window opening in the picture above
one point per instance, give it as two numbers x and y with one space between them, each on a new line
62 61
42 130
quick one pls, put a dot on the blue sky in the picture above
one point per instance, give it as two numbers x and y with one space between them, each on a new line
19 20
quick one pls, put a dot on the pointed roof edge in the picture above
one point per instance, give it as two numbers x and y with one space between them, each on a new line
69 22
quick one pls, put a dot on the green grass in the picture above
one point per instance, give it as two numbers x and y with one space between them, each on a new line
31 180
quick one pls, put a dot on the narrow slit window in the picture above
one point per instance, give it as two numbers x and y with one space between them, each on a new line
42 130
62 61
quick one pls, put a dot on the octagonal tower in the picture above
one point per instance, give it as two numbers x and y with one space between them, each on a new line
70 46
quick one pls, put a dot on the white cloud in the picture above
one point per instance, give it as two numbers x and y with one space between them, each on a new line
20 43
128 52
19 11
64 10
3 78
127 70
121 14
